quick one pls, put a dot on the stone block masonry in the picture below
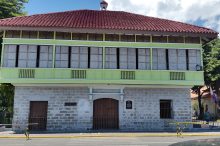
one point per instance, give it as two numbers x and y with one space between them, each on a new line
144 115
59 116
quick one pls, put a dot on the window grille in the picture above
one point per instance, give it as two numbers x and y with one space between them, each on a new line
128 75
128 104
177 76
26 73
78 74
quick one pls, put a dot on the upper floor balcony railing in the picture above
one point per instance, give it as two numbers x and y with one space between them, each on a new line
97 76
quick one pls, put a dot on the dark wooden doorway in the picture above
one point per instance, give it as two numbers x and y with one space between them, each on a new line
105 114
38 114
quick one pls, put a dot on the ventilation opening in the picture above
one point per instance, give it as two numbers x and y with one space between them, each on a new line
78 74
26 73
177 76
128 75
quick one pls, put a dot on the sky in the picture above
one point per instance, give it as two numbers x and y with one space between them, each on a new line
199 12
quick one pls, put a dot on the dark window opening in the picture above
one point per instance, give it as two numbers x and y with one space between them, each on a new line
17 55
128 104
187 59
79 36
128 38
69 56
176 39
118 58
95 37
46 35
137 58
29 34
165 109
89 53
192 40
159 39
12 34
70 104
63 35
142 38
111 37
167 58
38 57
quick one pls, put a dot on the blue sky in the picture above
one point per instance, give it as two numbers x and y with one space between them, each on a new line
45 6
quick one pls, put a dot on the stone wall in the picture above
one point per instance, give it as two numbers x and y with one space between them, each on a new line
144 116
60 117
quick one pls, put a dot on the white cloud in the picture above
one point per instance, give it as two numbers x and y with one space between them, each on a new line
201 12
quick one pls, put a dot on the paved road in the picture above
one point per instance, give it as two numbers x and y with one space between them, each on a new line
98 141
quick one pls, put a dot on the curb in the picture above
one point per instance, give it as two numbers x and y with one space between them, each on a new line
114 135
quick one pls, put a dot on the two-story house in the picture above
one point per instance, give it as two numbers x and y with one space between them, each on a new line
97 69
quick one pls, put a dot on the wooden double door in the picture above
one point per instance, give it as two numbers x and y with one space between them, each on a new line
105 114
38 115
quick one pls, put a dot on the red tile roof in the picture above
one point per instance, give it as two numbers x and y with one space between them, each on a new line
113 20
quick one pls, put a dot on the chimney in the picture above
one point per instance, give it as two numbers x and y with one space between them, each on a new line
103 5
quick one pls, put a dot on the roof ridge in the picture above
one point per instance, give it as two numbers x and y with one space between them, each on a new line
59 12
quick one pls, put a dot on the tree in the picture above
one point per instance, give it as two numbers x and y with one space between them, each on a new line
12 8
6 102
211 62
8 8
197 90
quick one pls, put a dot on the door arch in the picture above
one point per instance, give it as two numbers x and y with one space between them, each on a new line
105 114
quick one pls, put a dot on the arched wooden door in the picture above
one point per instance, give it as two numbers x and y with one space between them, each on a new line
105 114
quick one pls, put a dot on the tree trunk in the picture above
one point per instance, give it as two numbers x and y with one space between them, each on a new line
201 109
217 87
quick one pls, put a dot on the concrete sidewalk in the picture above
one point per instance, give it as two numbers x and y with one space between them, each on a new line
11 134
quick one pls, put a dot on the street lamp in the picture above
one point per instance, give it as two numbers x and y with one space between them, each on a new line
198 67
